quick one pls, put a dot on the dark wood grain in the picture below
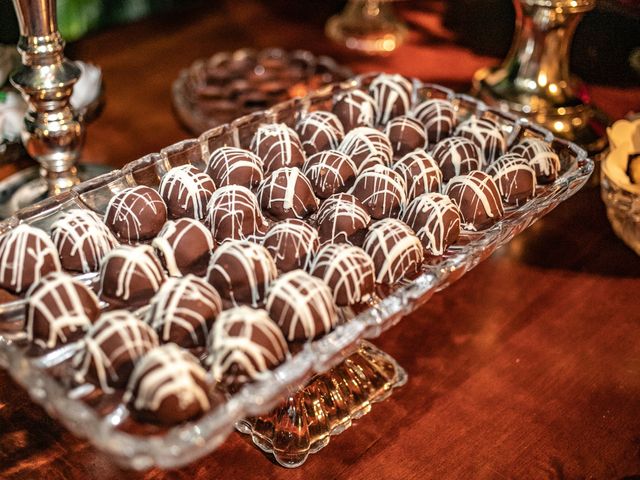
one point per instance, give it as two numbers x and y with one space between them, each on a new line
529 367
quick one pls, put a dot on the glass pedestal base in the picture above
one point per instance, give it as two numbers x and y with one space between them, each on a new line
303 423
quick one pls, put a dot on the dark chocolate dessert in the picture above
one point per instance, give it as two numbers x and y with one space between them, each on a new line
234 213
302 306
235 166
184 246
330 172
420 172
26 255
456 156
278 146
59 310
367 148
136 214
438 117
486 135
348 270
186 192
292 244
515 179
392 95
82 240
111 348
244 345
478 199
183 311
130 276
435 219
405 134
381 190
167 386
355 109
540 157
242 271
319 131
395 250
287 193
342 219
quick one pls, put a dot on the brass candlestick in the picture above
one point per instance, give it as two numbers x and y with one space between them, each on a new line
534 79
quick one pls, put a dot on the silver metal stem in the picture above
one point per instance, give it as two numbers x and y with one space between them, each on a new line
53 132
535 79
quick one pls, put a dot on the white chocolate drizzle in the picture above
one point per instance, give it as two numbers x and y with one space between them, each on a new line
278 146
191 187
394 248
359 108
234 213
367 147
319 130
247 262
400 130
167 371
515 179
473 193
392 95
340 211
433 217
380 188
330 170
132 338
457 156
438 117
128 207
174 236
347 269
56 300
24 253
235 166
486 135
81 233
540 156
292 237
420 172
289 190
235 344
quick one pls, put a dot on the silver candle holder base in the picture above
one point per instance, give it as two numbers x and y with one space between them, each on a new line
534 80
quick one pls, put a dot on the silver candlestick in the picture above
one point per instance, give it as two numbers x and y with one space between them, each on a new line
534 79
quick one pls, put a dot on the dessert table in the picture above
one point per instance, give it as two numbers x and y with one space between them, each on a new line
528 367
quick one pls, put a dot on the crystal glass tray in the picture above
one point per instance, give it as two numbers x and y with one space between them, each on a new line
185 443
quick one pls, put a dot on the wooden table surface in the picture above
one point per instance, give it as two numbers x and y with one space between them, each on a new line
528 367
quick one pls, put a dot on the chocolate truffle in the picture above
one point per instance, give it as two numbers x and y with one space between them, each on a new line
242 272
395 250
287 193
186 192
319 131
292 244
302 306
234 213
129 276
420 172
59 310
438 117
478 199
392 95
136 214
111 348
244 345
235 166
405 134
278 146
381 190
167 386
355 109
82 240
342 219
184 246
348 271
515 179
456 156
435 219
183 311
486 135
367 148
330 172
540 157
26 255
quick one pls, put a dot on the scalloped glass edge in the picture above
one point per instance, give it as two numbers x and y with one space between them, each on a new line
186 443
